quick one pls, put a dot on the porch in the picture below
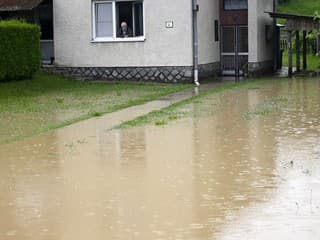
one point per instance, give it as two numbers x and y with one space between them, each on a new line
295 25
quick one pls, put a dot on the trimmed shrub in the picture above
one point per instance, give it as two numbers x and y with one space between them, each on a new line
19 50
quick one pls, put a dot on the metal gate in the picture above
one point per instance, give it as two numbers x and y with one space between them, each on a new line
234 50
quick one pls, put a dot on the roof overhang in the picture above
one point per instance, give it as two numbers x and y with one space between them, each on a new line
290 16
297 21
18 5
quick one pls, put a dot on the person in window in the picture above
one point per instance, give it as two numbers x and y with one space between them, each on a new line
124 31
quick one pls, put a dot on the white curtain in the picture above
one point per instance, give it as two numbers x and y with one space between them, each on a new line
104 20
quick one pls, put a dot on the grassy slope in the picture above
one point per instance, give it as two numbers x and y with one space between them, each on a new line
305 7
47 102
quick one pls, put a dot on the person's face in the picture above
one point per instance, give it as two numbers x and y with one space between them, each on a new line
124 27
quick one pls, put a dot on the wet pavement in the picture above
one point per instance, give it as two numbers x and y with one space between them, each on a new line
213 176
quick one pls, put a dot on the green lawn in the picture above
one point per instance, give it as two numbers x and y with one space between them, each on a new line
46 102
306 7
313 62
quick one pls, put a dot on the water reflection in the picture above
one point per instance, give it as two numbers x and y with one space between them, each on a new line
215 177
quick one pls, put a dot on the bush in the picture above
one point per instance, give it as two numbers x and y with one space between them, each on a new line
19 50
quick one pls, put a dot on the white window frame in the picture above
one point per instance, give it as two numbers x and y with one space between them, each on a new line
114 38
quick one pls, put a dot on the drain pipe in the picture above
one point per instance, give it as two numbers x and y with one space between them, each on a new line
275 41
195 9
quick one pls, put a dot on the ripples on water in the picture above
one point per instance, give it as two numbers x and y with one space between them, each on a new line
217 176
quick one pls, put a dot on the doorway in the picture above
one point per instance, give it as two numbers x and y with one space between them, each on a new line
234 50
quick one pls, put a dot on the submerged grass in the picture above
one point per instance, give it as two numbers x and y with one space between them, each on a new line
267 107
181 109
46 102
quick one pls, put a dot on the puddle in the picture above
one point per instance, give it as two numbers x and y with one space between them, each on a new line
213 176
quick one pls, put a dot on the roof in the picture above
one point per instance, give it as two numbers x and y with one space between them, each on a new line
290 16
297 22
18 5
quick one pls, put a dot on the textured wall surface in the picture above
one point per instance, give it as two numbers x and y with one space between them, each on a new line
209 50
145 74
260 68
260 49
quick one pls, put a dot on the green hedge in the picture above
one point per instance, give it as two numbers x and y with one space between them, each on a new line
19 50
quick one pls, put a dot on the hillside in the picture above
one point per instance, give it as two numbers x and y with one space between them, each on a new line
305 7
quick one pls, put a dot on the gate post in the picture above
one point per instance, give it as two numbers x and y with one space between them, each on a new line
298 50
290 53
304 50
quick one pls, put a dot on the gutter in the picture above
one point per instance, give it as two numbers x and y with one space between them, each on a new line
195 9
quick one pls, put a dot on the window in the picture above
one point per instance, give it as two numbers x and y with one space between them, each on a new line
109 15
235 4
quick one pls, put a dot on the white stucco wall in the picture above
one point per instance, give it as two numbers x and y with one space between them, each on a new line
209 50
260 49
162 47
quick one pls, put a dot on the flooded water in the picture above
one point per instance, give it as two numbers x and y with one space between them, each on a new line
237 173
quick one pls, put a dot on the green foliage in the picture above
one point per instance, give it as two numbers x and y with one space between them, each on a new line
19 50
313 34
305 7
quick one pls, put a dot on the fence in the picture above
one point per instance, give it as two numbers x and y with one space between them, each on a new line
311 44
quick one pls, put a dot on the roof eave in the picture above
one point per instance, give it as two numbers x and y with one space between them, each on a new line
18 5
289 16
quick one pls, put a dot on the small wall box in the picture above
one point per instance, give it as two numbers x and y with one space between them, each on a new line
169 24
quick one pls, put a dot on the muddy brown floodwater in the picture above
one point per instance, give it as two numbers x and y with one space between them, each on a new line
218 176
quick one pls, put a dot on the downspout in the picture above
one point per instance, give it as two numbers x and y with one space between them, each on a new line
275 39
195 9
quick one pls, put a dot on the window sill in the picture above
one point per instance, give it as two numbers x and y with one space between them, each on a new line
112 40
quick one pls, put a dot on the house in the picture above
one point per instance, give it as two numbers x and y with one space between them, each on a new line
172 41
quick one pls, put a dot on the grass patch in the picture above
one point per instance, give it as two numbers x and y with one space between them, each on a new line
160 122
313 61
181 109
46 102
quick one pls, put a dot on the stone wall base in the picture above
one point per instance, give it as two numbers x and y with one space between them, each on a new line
183 74
209 70
146 74
260 68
